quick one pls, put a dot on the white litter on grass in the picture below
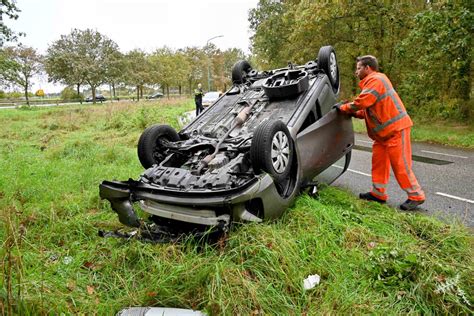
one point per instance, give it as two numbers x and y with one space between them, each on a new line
311 281
67 260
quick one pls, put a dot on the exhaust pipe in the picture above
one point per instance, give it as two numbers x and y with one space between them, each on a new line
239 120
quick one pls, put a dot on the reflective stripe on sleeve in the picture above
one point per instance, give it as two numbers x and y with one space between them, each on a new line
372 92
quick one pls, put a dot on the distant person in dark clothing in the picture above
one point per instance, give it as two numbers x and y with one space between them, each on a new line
198 99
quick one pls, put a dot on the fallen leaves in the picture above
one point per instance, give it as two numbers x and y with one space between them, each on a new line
90 289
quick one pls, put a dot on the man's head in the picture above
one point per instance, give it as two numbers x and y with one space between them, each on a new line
199 85
366 65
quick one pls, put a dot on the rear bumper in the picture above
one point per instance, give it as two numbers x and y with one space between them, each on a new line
197 216
205 208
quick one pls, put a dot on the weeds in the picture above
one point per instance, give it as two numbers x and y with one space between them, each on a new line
371 258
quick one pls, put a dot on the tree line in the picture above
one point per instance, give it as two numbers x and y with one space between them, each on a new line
425 47
89 58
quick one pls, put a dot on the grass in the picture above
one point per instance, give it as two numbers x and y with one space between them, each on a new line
372 259
438 132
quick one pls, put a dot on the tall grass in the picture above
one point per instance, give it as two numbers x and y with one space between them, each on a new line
371 258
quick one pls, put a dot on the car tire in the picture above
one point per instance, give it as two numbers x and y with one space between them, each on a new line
150 145
240 71
327 61
272 150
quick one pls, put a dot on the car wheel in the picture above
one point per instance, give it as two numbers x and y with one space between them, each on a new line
151 144
272 150
327 61
240 71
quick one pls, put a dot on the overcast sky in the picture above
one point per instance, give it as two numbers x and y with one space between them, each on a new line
144 24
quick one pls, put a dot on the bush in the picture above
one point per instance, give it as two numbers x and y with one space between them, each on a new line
69 93
14 95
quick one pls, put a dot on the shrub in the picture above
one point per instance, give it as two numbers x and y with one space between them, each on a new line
69 93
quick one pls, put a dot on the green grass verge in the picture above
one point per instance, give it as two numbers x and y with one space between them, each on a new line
372 259
438 132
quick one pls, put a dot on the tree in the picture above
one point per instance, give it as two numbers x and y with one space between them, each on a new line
6 65
294 30
137 70
267 23
115 71
83 56
441 69
182 69
62 62
10 10
197 62
212 64
24 63
230 57
163 68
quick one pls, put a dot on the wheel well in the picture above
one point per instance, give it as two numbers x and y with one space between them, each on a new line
255 206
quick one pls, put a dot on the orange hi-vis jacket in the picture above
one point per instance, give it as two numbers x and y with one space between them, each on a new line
380 106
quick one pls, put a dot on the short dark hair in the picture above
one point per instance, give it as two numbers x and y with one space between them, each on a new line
369 60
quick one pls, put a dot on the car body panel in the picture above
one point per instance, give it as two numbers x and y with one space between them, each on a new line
315 155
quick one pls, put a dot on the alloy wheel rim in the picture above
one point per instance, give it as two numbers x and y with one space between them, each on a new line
333 66
280 152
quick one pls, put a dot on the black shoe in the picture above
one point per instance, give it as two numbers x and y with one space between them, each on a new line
369 197
410 205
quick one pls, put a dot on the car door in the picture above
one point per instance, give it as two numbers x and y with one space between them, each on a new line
323 144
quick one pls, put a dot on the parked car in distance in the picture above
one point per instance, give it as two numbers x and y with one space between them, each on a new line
155 95
98 97
210 97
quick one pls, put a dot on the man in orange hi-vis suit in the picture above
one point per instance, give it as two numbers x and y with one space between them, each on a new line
388 124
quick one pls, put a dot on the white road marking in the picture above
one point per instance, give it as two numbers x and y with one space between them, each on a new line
364 141
358 172
355 171
434 152
455 197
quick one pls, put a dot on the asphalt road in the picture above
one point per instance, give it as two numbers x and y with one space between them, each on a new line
446 175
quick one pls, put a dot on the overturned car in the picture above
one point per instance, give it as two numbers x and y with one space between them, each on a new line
247 156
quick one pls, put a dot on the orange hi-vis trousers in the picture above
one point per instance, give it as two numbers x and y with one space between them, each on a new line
396 152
